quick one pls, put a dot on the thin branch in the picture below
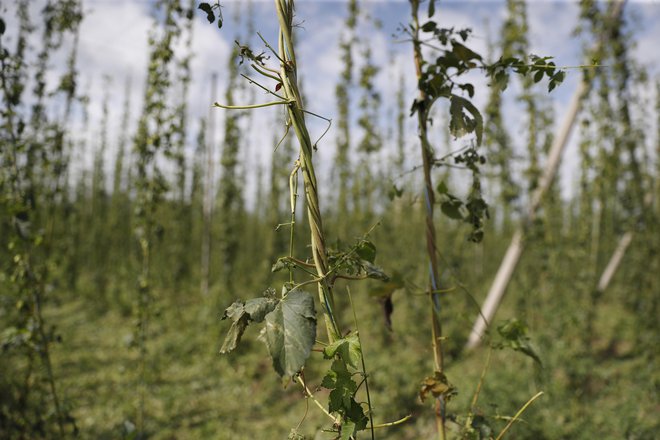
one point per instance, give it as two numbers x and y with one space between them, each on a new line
311 396
518 414
266 89
250 106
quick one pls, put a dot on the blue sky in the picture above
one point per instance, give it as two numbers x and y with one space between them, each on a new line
114 43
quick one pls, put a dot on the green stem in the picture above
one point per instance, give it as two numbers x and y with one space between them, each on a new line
250 106
364 368
293 188
518 414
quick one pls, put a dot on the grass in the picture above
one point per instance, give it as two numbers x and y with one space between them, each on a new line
195 393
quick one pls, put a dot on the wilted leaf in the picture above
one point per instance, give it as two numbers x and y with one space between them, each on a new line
258 308
374 272
282 263
295 435
437 385
462 123
290 332
253 310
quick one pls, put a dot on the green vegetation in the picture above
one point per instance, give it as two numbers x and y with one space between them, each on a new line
105 333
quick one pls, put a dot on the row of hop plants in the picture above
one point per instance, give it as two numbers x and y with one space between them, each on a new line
289 317
346 377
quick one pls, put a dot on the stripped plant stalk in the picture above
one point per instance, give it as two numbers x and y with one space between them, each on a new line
295 308
427 158
288 76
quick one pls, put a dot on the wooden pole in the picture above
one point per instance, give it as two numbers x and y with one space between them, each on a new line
514 252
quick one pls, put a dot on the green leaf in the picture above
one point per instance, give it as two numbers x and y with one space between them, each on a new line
342 398
3 27
464 33
366 250
355 414
290 331
442 187
452 209
208 9
469 88
429 26
550 71
514 336
340 381
538 76
347 430
464 53
437 86
431 8
394 192
254 310
347 348
557 79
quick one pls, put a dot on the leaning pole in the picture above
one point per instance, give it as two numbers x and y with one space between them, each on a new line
516 247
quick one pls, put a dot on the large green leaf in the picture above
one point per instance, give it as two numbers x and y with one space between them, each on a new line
290 331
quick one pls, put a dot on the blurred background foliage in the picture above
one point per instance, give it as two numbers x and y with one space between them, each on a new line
106 333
